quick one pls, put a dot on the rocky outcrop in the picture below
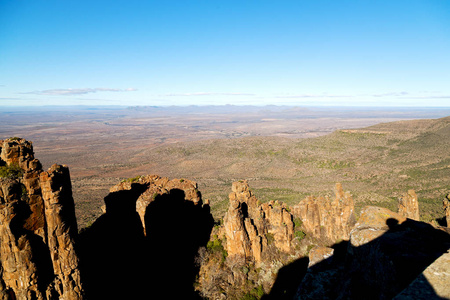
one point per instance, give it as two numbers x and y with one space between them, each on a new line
329 220
373 223
37 228
61 230
156 185
17 151
250 227
319 254
432 283
145 243
253 236
446 204
386 252
408 206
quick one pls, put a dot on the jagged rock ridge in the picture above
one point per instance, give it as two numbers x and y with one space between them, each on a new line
38 228
326 219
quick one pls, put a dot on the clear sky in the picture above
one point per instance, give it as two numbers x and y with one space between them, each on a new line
302 52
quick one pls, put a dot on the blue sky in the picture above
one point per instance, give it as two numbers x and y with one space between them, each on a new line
363 53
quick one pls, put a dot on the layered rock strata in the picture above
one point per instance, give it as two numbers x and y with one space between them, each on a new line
37 228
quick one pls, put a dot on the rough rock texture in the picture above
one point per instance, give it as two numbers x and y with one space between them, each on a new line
446 204
159 186
20 152
326 219
434 281
373 222
320 279
386 252
37 229
246 251
19 270
318 254
408 206
250 227
61 230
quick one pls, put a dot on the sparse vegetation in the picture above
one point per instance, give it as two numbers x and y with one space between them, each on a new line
215 246
132 179
12 171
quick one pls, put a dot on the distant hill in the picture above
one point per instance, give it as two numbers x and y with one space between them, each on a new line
377 163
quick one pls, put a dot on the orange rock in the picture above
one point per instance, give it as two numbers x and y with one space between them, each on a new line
408 206
446 203
247 224
327 219
37 229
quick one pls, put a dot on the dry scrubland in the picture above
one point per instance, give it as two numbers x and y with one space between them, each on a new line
285 153
377 164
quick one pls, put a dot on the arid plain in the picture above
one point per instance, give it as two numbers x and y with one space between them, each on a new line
286 153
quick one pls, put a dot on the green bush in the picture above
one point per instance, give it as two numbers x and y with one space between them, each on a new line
132 179
299 234
255 294
11 171
215 246
270 238
298 222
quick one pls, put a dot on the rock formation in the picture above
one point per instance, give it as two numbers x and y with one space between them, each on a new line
251 227
253 236
155 186
326 219
319 254
446 204
37 228
386 252
432 283
156 237
141 264
408 206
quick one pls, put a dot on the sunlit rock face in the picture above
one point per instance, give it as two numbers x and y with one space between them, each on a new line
37 227
408 206
327 219
446 204
250 227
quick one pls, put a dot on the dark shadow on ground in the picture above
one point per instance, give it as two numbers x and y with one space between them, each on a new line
119 262
288 279
380 269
